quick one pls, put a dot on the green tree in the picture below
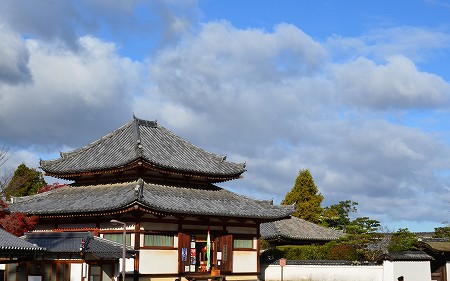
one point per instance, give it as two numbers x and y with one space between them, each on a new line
363 225
362 232
402 240
25 181
337 215
442 232
306 197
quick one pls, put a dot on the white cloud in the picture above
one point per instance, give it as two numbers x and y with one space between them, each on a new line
418 44
277 99
89 88
396 84
229 91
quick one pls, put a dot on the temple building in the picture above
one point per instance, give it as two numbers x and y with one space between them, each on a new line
296 231
163 191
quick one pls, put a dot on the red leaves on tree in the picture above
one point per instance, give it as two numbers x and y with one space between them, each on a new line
51 187
16 223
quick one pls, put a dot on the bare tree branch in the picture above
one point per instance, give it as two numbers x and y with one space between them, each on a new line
5 176
3 155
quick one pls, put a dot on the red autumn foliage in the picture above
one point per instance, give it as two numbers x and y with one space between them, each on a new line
16 223
51 187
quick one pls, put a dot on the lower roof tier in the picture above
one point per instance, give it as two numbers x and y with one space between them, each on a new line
199 200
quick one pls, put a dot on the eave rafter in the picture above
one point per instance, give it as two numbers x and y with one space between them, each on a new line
138 207
142 164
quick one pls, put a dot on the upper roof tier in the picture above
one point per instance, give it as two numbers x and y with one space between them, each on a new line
143 146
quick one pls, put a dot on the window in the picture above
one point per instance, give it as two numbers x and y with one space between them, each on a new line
95 273
116 237
158 240
101 272
243 243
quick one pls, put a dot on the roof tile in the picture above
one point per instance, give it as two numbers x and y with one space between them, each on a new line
195 200
141 139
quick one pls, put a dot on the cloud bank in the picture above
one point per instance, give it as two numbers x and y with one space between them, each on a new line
359 113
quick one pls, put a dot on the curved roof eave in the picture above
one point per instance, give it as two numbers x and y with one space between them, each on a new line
141 140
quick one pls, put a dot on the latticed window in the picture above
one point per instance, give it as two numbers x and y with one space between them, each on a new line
156 240
243 243
116 237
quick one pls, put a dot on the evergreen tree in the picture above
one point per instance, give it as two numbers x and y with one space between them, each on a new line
306 197
442 232
402 240
337 215
25 181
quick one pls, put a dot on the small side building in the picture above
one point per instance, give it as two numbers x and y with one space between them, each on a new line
412 265
439 249
296 231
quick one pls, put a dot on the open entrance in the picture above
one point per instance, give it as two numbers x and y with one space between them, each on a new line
199 248
193 250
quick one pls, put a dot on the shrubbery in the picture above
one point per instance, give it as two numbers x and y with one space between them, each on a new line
329 251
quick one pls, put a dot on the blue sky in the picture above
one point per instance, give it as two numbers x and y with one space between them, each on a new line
355 91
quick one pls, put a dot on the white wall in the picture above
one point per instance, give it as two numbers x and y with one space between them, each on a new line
75 271
245 261
447 269
412 270
158 261
323 273
389 271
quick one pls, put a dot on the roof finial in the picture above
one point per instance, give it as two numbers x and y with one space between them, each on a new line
139 189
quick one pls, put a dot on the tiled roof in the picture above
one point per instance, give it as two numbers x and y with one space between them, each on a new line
9 242
406 256
295 228
147 141
195 200
71 242
435 244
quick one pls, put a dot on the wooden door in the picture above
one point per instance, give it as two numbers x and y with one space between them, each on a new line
183 251
223 254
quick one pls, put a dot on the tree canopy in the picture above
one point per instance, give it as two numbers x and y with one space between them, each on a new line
306 197
25 181
442 232
337 215
402 240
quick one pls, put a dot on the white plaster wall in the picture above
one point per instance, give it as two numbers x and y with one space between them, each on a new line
388 271
75 271
245 261
322 273
447 269
129 265
158 261
412 270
